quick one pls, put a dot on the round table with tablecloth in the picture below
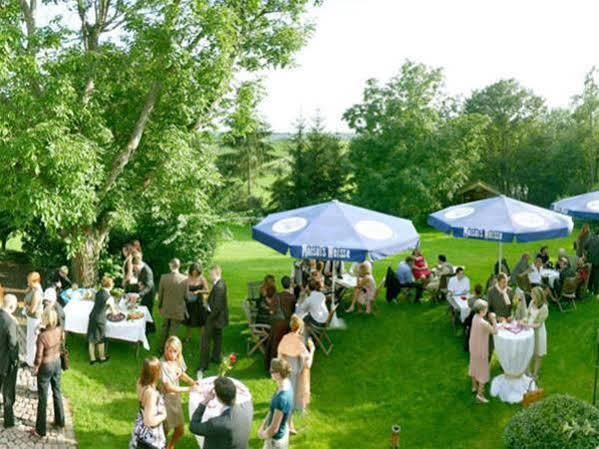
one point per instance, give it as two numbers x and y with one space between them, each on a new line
514 351
214 407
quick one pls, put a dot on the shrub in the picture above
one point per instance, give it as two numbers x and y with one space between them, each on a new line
558 422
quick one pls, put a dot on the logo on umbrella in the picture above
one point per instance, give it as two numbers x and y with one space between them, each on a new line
289 225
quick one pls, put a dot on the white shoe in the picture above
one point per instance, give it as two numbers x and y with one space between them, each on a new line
199 374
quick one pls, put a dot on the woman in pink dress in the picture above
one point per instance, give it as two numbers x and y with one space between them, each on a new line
479 349
420 268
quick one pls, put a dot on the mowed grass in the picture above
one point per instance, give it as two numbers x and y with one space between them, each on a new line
405 365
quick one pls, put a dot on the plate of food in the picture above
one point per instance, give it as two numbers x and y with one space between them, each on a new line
115 318
136 315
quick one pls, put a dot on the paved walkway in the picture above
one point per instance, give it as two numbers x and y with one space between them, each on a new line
19 436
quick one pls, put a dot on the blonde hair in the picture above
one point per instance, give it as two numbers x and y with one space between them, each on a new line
49 317
296 322
281 367
34 276
107 282
173 341
365 269
538 296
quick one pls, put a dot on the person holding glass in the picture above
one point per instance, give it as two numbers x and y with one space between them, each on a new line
481 329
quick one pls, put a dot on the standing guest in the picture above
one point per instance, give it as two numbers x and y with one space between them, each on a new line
9 357
218 318
591 249
172 368
582 239
229 430
544 255
96 328
171 300
145 278
282 307
478 294
48 371
50 301
33 308
274 430
299 356
127 264
537 314
458 284
499 298
263 315
420 267
365 288
196 288
152 411
59 279
479 349
406 277
136 246
313 308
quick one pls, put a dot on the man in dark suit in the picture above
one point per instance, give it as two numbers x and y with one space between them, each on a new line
218 318
591 249
9 357
145 278
229 430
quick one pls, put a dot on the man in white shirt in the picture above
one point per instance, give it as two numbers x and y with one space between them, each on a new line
313 308
459 284
534 273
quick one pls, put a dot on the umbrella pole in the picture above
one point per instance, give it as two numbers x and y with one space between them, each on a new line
500 255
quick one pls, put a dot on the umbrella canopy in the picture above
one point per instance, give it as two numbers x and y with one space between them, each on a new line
335 230
501 219
585 206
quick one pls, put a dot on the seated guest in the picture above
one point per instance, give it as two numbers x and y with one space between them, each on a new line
458 284
268 284
499 300
572 260
504 267
313 308
479 347
534 272
477 294
316 275
522 266
333 267
229 430
544 255
420 267
406 278
443 268
365 289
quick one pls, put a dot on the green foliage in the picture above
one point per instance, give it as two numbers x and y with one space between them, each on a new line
412 152
558 422
97 121
319 170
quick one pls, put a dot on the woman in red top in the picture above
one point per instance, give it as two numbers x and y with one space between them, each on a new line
420 268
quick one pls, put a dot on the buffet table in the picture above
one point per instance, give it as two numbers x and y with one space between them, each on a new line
77 317
215 408
514 351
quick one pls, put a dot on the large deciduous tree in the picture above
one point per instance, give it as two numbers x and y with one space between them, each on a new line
102 123
412 151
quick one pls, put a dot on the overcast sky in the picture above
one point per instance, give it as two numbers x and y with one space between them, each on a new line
547 45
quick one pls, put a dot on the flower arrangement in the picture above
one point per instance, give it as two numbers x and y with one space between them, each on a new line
227 364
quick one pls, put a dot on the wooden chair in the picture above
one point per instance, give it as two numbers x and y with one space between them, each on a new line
568 292
257 334
379 286
254 290
441 294
319 333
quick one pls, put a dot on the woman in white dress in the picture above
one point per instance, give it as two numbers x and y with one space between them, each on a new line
536 316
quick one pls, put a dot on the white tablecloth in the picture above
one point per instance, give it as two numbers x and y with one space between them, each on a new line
214 407
551 275
460 305
514 352
347 281
77 317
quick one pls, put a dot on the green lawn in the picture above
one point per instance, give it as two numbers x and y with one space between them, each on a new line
403 366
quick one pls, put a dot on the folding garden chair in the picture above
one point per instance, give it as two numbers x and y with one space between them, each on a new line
257 334
319 333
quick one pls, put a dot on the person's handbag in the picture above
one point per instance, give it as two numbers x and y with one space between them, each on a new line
64 359
145 436
530 397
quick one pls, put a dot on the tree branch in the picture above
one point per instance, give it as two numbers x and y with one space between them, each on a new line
124 156
29 13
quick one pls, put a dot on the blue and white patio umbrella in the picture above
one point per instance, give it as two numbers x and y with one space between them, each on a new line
336 230
585 206
501 219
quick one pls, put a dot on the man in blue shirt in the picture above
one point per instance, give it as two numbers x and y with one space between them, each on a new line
406 278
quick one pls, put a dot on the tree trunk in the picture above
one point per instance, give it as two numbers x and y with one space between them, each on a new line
85 261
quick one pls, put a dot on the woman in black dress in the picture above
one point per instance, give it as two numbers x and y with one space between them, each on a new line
195 290
96 328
